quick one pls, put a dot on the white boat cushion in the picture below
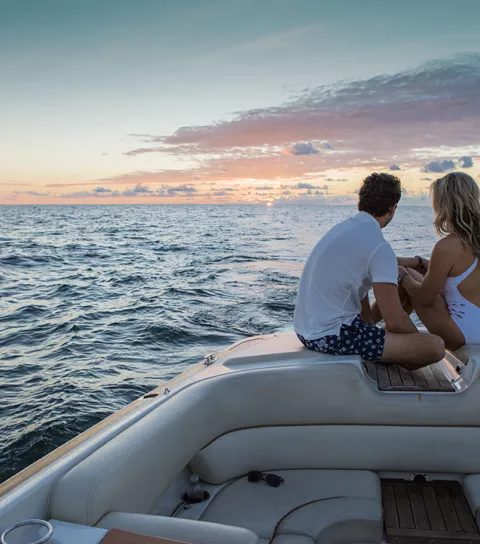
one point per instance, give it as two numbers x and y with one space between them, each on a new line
417 449
352 425
190 531
354 502
336 520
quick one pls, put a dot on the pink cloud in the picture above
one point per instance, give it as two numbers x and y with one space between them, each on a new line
434 105
382 120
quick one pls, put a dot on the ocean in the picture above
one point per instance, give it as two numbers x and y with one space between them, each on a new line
98 304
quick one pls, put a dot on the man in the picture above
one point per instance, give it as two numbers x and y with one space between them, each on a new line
333 314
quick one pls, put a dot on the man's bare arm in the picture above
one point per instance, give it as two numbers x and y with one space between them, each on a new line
389 305
366 313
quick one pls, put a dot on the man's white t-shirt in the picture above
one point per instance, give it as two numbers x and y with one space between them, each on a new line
338 274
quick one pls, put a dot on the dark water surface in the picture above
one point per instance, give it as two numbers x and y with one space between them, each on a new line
98 304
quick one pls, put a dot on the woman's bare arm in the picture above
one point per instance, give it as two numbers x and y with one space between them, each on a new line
421 264
439 267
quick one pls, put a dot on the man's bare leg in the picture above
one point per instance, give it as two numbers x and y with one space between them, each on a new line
413 350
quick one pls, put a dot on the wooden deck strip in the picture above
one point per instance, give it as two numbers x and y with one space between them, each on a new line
433 509
419 378
406 377
391 377
383 379
404 508
427 512
390 506
117 536
371 369
463 510
448 510
418 508
429 376
394 373
442 379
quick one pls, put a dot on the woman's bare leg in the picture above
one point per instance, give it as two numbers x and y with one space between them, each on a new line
436 316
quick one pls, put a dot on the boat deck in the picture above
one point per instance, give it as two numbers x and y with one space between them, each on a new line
390 377
427 512
116 536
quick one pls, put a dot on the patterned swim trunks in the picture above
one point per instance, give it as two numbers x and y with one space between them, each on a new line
359 338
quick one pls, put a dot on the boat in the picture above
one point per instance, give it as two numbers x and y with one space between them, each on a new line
268 442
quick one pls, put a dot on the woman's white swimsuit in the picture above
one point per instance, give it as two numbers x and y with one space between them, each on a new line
465 314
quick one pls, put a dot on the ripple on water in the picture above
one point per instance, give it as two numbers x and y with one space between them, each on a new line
98 304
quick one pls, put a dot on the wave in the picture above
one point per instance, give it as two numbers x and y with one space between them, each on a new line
101 303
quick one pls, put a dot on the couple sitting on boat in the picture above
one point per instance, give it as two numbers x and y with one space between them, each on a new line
333 313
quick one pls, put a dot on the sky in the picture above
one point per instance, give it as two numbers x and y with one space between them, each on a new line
217 101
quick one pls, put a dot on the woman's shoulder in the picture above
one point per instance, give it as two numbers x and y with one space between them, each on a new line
450 244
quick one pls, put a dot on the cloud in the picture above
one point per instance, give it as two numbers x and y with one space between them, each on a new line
77 194
304 148
136 191
326 145
264 188
178 189
304 185
436 104
466 162
411 103
141 189
104 154
439 166
395 167
142 150
98 192
30 193
218 193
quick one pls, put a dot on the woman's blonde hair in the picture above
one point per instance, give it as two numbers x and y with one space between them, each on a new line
456 204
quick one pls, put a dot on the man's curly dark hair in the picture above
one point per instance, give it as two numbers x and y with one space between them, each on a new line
379 193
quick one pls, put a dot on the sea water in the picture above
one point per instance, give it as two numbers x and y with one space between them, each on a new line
98 304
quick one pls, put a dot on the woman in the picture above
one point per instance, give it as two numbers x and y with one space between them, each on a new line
445 291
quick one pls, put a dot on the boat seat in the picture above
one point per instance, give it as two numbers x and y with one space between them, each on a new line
323 506
390 377
185 530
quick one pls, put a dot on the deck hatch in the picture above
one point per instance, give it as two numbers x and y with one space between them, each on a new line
427 512
390 377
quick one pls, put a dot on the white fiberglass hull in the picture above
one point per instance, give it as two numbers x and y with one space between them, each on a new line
265 404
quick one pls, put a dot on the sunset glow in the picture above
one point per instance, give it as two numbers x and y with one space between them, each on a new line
234 101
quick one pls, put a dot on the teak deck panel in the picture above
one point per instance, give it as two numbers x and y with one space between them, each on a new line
117 536
427 512
390 377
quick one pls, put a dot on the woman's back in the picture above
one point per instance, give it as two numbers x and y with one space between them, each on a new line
462 288
463 276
